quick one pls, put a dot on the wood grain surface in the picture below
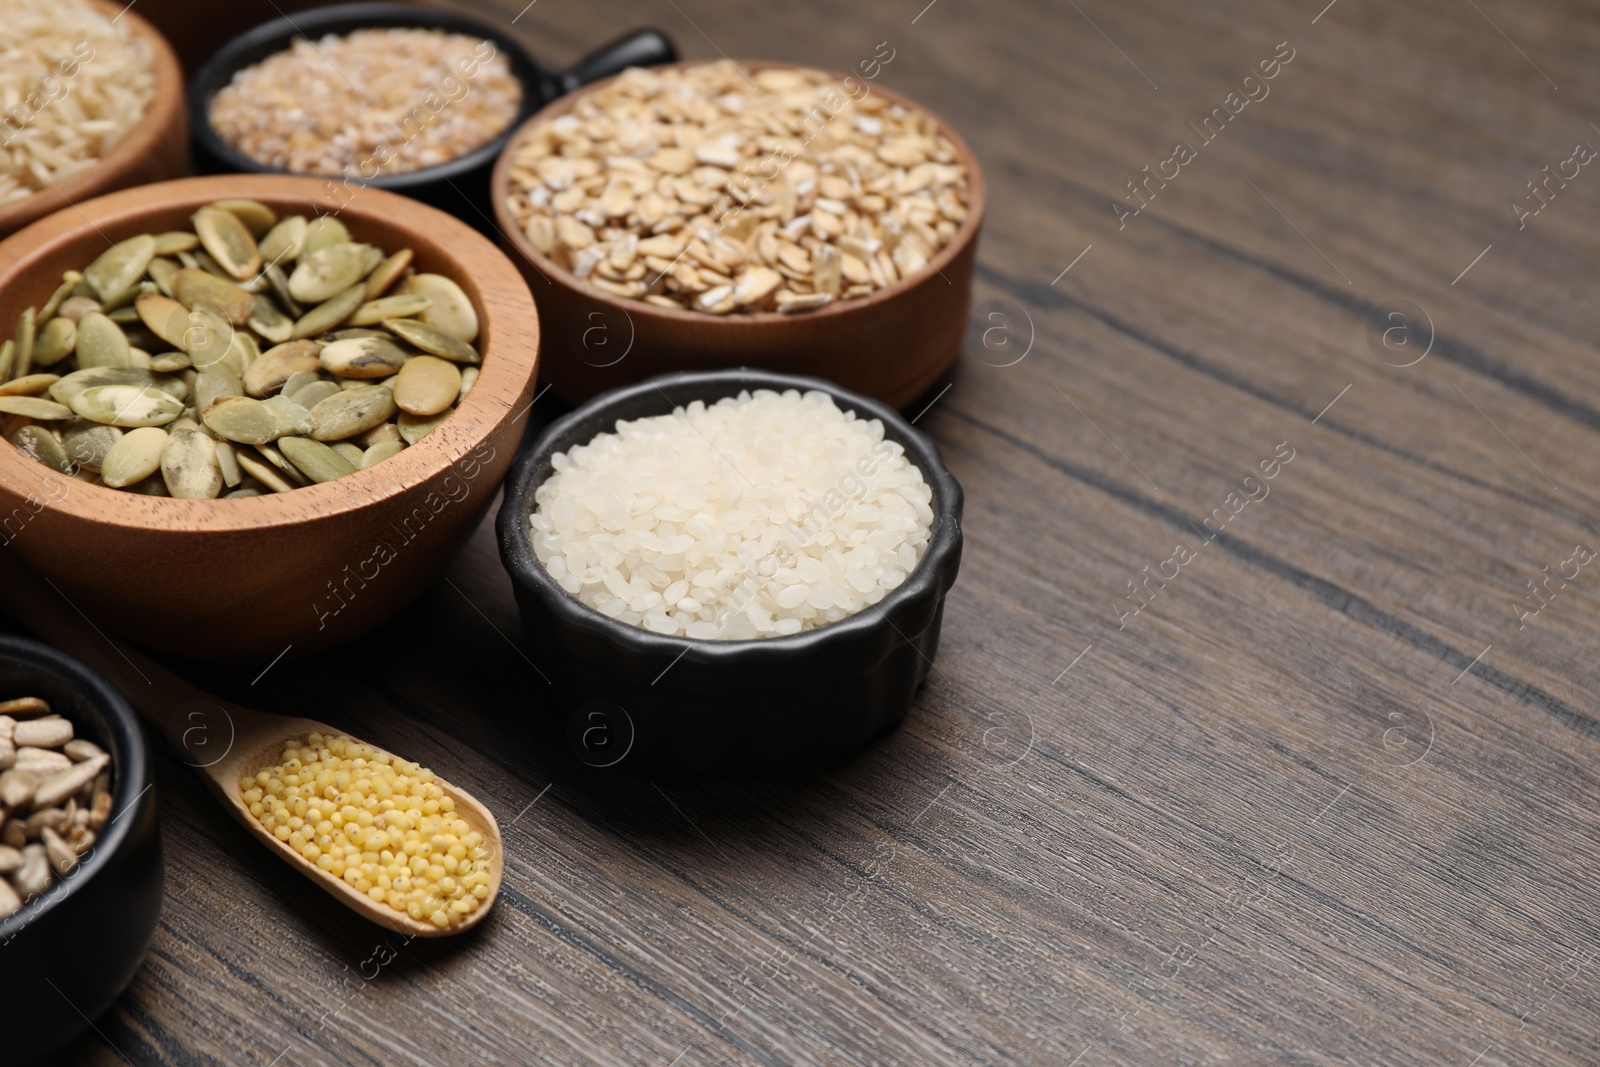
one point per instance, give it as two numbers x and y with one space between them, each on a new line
1328 796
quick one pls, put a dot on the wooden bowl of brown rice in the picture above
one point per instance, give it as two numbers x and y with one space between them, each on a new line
99 106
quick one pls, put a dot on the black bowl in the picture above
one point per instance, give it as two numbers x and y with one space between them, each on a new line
727 707
66 956
459 186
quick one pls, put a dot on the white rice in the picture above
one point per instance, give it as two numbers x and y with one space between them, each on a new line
757 516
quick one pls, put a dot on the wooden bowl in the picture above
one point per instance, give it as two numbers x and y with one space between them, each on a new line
243 580
157 148
891 345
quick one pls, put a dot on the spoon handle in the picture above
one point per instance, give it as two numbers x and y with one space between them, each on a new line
166 701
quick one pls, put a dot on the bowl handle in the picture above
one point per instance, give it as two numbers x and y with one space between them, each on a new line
642 48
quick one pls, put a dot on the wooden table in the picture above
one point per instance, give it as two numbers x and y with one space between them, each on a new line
1323 793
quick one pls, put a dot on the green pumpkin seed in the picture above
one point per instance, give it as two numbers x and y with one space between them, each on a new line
414 428
79 381
399 306
174 241
88 443
34 407
279 282
199 289
293 419
208 339
162 271
214 383
23 339
327 315
380 452
69 281
127 405
298 381
165 363
241 494
427 385
189 466
243 420
270 373
270 322
119 267
151 486
469 378
387 273
378 435
126 297
321 232
328 271
228 464
166 318
76 307
264 474
101 343
32 385
285 240
134 458
8 356
229 243
315 460
189 260
451 311
350 452
363 357
125 316
257 217
38 443
54 342
309 396
432 340
352 412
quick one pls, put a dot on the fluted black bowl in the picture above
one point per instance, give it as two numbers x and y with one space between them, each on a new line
726 707
460 185
67 955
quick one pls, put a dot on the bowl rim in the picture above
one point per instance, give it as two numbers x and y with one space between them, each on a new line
924 580
132 768
275 36
508 341
500 181
166 100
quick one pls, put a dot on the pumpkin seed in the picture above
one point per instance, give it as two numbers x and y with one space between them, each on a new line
166 318
241 494
134 458
298 381
363 357
427 385
229 243
414 428
469 378
151 486
34 407
174 241
326 316
79 381
387 273
8 355
243 420
76 307
285 240
197 288
264 474
101 342
228 464
69 281
272 455
208 339
319 275
165 363
378 435
122 299
272 371
321 232
315 460
127 405
451 311
257 217
40 445
432 340
214 383
88 443
189 466
120 266
353 411
124 316
269 321
380 452
32 385
389 307
310 396
350 452
162 270
293 419
54 341
24 342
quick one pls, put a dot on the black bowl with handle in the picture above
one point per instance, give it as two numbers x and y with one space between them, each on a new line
460 185
69 953
741 707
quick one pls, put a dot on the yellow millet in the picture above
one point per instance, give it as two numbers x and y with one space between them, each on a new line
382 824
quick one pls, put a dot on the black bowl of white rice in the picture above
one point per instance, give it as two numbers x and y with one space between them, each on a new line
730 572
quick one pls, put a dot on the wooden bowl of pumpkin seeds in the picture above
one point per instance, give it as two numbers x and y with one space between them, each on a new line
248 414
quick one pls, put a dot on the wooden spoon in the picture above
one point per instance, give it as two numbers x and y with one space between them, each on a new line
220 739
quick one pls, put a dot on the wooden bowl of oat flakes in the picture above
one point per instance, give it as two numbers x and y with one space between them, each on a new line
95 101
310 566
705 216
